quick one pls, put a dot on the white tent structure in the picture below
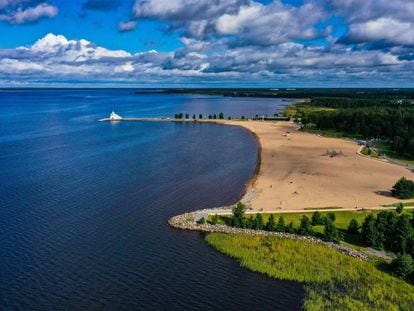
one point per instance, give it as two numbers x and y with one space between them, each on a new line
114 117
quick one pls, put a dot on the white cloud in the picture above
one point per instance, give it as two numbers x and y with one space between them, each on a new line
127 26
17 13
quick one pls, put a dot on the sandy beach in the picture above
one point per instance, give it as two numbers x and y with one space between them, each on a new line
296 173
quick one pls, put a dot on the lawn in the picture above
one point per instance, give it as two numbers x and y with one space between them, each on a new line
333 281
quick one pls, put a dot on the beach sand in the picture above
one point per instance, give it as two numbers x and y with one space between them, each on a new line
295 174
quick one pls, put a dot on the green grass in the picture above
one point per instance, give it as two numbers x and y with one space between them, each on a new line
296 109
342 221
333 281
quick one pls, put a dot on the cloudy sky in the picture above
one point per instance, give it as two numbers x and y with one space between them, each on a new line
176 43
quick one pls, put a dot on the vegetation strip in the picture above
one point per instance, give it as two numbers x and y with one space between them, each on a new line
332 281
186 222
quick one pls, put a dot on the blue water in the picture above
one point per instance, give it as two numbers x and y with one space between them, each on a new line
84 204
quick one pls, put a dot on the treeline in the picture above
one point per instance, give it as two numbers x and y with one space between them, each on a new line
391 95
394 232
367 101
395 125
220 116
239 220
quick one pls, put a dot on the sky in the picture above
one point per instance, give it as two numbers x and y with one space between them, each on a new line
207 43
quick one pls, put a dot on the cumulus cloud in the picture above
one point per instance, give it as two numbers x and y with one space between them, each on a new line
379 23
56 58
127 26
25 11
194 17
252 21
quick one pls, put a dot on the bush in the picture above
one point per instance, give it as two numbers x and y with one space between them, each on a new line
403 266
403 189
399 208
202 221
215 220
353 226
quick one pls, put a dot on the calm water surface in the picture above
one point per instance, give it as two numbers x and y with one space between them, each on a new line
84 205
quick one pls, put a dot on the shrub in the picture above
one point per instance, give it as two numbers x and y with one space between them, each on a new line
399 208
202 221
403 189
215 220
353 226
403 266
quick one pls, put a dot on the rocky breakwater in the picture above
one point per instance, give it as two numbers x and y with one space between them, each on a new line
186 222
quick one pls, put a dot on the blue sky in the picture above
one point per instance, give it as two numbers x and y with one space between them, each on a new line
163 43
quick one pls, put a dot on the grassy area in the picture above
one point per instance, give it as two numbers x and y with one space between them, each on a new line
342 221
384 148
369 152
333 281
296 110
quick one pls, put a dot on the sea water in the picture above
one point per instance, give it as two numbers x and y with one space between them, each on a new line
84 204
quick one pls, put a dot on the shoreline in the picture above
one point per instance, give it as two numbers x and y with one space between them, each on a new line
294 170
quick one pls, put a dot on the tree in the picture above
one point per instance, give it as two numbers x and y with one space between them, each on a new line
281 227
194 116
176 116
403 266
271 224
209 116
242 117
187 115
200 116
317 219
221 116
250 223
228 118
238 215
369 230
331 216
258 222
330 232
399 208
202 221
305 227
403 189
353 226
290 228
403 235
